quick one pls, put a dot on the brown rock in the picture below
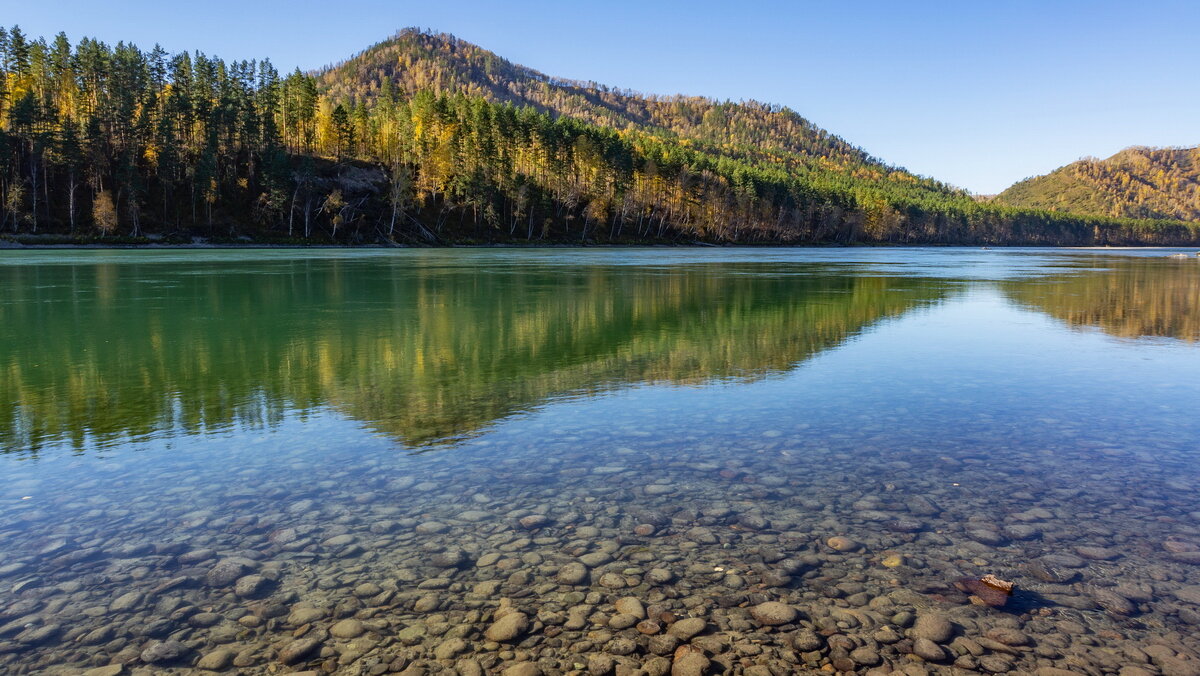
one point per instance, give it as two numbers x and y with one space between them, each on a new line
508 628
773 613
690 664
686 629
297 650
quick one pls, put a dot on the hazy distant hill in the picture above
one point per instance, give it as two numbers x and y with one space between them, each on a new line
1137 182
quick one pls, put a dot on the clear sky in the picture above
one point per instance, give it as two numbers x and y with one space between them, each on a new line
979 93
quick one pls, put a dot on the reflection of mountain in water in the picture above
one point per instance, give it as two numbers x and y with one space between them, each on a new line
1125 297
418 353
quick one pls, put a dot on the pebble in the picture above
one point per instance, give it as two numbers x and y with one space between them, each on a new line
928 650
622 621
1189 594
534 521
127 601
451 558
1022 531
573 573
1113 602
1190 558
685 629
659 576
612 581
450 648
1064 559
163 652
649 627
348 628
600 665
1047 571
631 606
249 585
905 526
842 544
663 644
224 573
773 613
204 619
933 627
1007 635
366 590
995 664
216 660
508 628
1097 553
690 664
595 559
304 615
297 650
622 646
865 656
807 641
338 541
522 669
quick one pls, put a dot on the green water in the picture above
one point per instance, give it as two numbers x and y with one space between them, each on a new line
422 347
702 421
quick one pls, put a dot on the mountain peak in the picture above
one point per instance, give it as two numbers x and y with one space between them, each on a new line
421 59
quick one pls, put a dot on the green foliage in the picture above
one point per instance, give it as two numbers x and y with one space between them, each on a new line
427 139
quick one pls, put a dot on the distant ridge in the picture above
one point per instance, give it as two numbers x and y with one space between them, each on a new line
1137 182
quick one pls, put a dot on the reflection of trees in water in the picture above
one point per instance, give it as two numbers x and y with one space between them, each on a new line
1128 297
415 352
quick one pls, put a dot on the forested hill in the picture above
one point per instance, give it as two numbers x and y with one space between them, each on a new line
1137 182
425 139
415 61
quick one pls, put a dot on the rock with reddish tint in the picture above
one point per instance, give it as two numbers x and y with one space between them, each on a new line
988 592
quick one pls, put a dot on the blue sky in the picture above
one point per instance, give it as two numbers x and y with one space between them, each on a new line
976 93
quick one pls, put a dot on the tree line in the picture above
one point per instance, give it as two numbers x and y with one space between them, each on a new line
105 141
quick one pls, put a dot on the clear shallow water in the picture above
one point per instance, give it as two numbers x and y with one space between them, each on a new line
239 451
